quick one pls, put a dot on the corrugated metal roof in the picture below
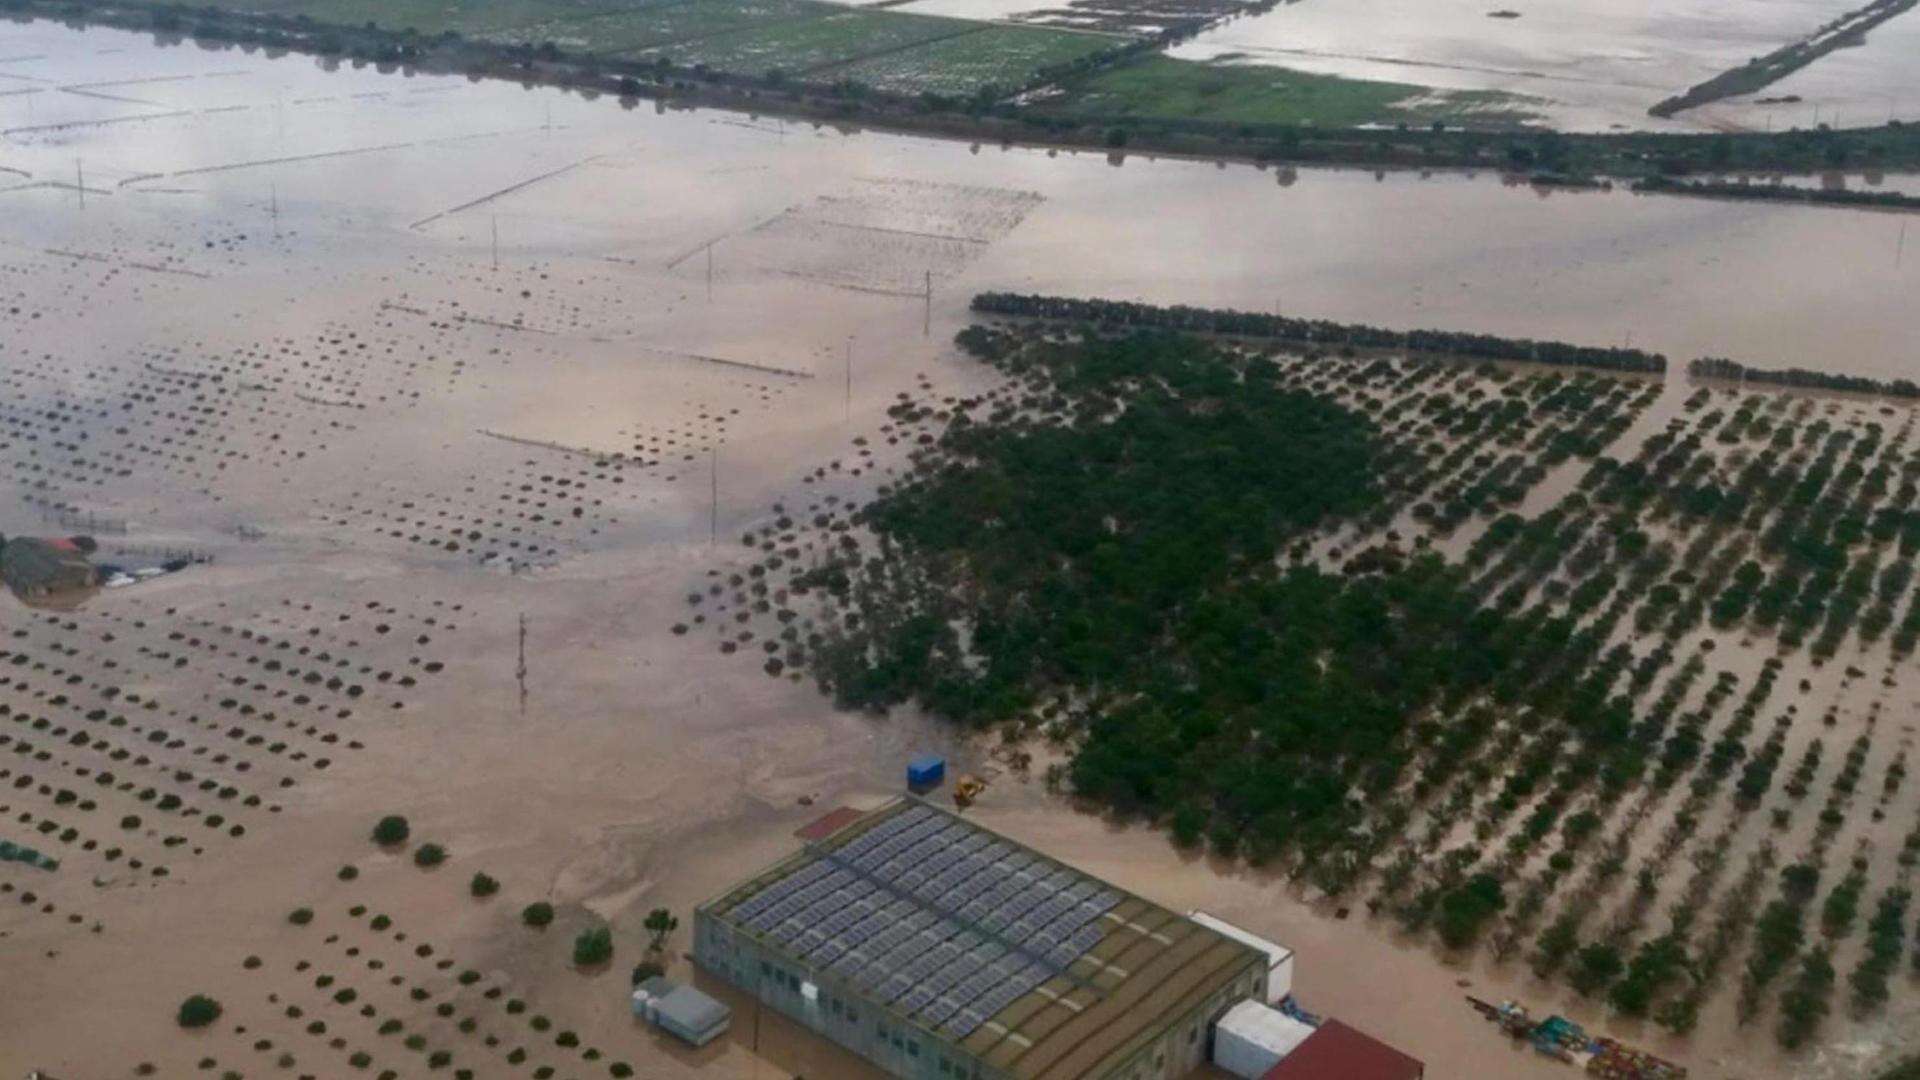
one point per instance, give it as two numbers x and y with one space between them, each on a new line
1035 968
829 823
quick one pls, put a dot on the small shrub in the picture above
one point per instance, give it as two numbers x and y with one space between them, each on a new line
537 914
300 916
198 1011
483 886
392 830
592 947
429 855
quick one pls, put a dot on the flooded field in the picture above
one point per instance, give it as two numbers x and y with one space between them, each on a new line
402 361
1591 65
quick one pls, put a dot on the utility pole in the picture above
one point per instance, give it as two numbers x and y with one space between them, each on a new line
709 271
521 671
713 495
496 241
273 190
1900 248
849 376
80 182
926 329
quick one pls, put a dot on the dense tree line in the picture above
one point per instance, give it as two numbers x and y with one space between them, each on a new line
1890 200
1110 557
1314 332
1711 367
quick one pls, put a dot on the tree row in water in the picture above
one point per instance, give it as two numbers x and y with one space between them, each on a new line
1714 367
1318 332
1720 189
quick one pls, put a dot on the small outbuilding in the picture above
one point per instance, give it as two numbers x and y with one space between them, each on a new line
681 1011
1252 1038
1337 1052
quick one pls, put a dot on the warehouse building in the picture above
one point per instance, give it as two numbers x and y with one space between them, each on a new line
937 949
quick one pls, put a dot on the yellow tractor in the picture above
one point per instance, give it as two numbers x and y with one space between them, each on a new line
966 789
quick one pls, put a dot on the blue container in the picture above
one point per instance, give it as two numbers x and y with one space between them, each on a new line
926 771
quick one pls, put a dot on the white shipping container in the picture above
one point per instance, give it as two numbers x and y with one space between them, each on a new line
1251 1038
1279 957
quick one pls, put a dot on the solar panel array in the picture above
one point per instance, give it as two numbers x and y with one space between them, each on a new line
943 922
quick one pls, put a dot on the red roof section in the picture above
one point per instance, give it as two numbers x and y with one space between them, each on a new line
1337 1052
828 824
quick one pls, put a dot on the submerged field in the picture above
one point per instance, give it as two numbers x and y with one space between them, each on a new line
1590 65
405 359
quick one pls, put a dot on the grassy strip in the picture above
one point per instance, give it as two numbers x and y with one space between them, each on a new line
1156 87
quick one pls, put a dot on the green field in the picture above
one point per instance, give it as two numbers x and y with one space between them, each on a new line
801 46
636 27
475 18
808 39
1159 88
819 42
998 56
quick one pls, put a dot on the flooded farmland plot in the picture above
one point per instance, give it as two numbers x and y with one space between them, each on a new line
1586 65
460 424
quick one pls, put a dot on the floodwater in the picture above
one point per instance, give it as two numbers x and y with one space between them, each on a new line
340 157
1869 83
1589 64
376 340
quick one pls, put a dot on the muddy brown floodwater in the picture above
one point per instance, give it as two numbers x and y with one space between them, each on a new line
412 359
1587 65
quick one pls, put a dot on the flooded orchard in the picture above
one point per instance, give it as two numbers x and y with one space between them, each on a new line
444 396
